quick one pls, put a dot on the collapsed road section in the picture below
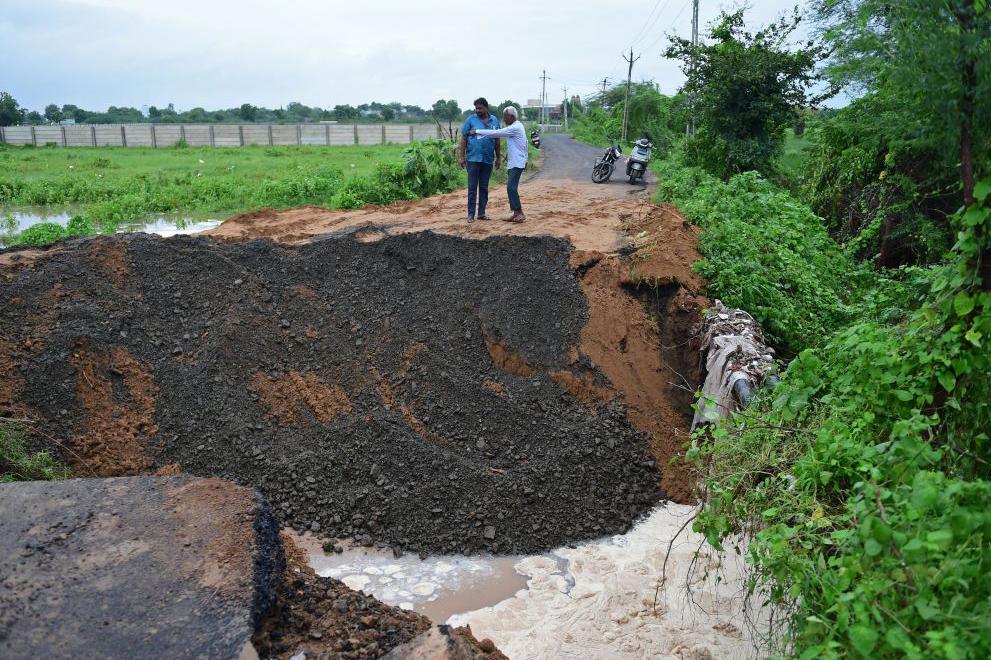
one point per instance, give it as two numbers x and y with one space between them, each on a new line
181 567
421 392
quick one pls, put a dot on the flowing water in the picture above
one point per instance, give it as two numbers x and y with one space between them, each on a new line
598 599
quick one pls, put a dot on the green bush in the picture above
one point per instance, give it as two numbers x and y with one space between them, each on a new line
882 183
863 477
17 463
764 251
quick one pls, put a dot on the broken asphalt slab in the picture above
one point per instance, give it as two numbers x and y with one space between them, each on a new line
134 567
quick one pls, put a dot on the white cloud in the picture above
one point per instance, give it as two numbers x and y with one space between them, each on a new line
222 53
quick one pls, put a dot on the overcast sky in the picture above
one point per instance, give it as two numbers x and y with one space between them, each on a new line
221 53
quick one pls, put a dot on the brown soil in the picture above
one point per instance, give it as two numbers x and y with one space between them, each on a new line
642 310
11 382
109 257
211 514
118 394
494 387
594 224
298 398
504 357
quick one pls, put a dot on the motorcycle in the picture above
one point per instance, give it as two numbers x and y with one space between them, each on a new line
604 167
636 164
535 139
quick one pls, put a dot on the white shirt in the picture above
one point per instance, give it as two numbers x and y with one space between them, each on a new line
515 136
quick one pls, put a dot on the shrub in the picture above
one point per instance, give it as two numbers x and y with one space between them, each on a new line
17 463
863 478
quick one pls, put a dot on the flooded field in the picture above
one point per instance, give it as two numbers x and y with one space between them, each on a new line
16 220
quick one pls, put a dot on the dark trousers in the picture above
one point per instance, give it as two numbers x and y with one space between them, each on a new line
478 184
512 188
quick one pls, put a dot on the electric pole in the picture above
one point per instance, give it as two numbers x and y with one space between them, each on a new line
690 129
629 80
543 95
605 82
565 107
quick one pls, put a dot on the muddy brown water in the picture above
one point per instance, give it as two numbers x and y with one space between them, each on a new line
437 586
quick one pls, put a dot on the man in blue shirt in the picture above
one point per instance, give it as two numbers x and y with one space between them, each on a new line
482 155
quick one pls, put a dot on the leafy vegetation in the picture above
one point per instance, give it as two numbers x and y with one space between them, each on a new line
652 114
115 186
744 89
764 251
18 463
861 480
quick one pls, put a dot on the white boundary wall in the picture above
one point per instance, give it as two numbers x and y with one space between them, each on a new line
217 135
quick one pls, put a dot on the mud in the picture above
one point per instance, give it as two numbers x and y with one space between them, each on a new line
591 221
346 380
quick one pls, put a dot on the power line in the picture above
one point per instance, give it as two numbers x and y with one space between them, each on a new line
664 34
647 23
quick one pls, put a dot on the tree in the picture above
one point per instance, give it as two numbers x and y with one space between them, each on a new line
345 112
247 112
11 113
446 111
932 55
505 104
746 89
154 113
388 113
53 113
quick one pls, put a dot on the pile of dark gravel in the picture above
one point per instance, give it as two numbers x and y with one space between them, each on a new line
433 448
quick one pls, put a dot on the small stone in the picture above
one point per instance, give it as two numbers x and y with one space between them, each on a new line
316 634
314 526
238 282
489 532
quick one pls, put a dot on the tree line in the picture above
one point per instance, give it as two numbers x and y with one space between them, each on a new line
444 111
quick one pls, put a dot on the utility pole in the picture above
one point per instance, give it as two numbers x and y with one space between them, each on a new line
690 129
604 83
629 80
543 95
565 107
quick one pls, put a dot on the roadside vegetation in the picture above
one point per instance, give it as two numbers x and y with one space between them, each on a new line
861 240
111 187
18 463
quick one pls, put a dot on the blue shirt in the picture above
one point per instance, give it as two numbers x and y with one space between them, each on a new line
480 149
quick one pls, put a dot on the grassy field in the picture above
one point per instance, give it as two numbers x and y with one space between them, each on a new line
248 164
109 187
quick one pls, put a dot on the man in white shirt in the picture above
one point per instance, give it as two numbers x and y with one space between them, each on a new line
515 135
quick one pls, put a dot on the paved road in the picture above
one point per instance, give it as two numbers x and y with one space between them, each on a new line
570 160
135 567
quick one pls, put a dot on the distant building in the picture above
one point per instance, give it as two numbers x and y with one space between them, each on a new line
68 121
551 112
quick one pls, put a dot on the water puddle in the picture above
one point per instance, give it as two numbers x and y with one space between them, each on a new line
437 587
16 220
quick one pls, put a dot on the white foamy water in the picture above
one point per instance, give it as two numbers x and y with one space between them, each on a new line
595 600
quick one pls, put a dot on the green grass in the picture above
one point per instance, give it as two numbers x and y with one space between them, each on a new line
109 187
18 463
78 175
793 158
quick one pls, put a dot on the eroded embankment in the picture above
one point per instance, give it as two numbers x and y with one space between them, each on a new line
423 391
